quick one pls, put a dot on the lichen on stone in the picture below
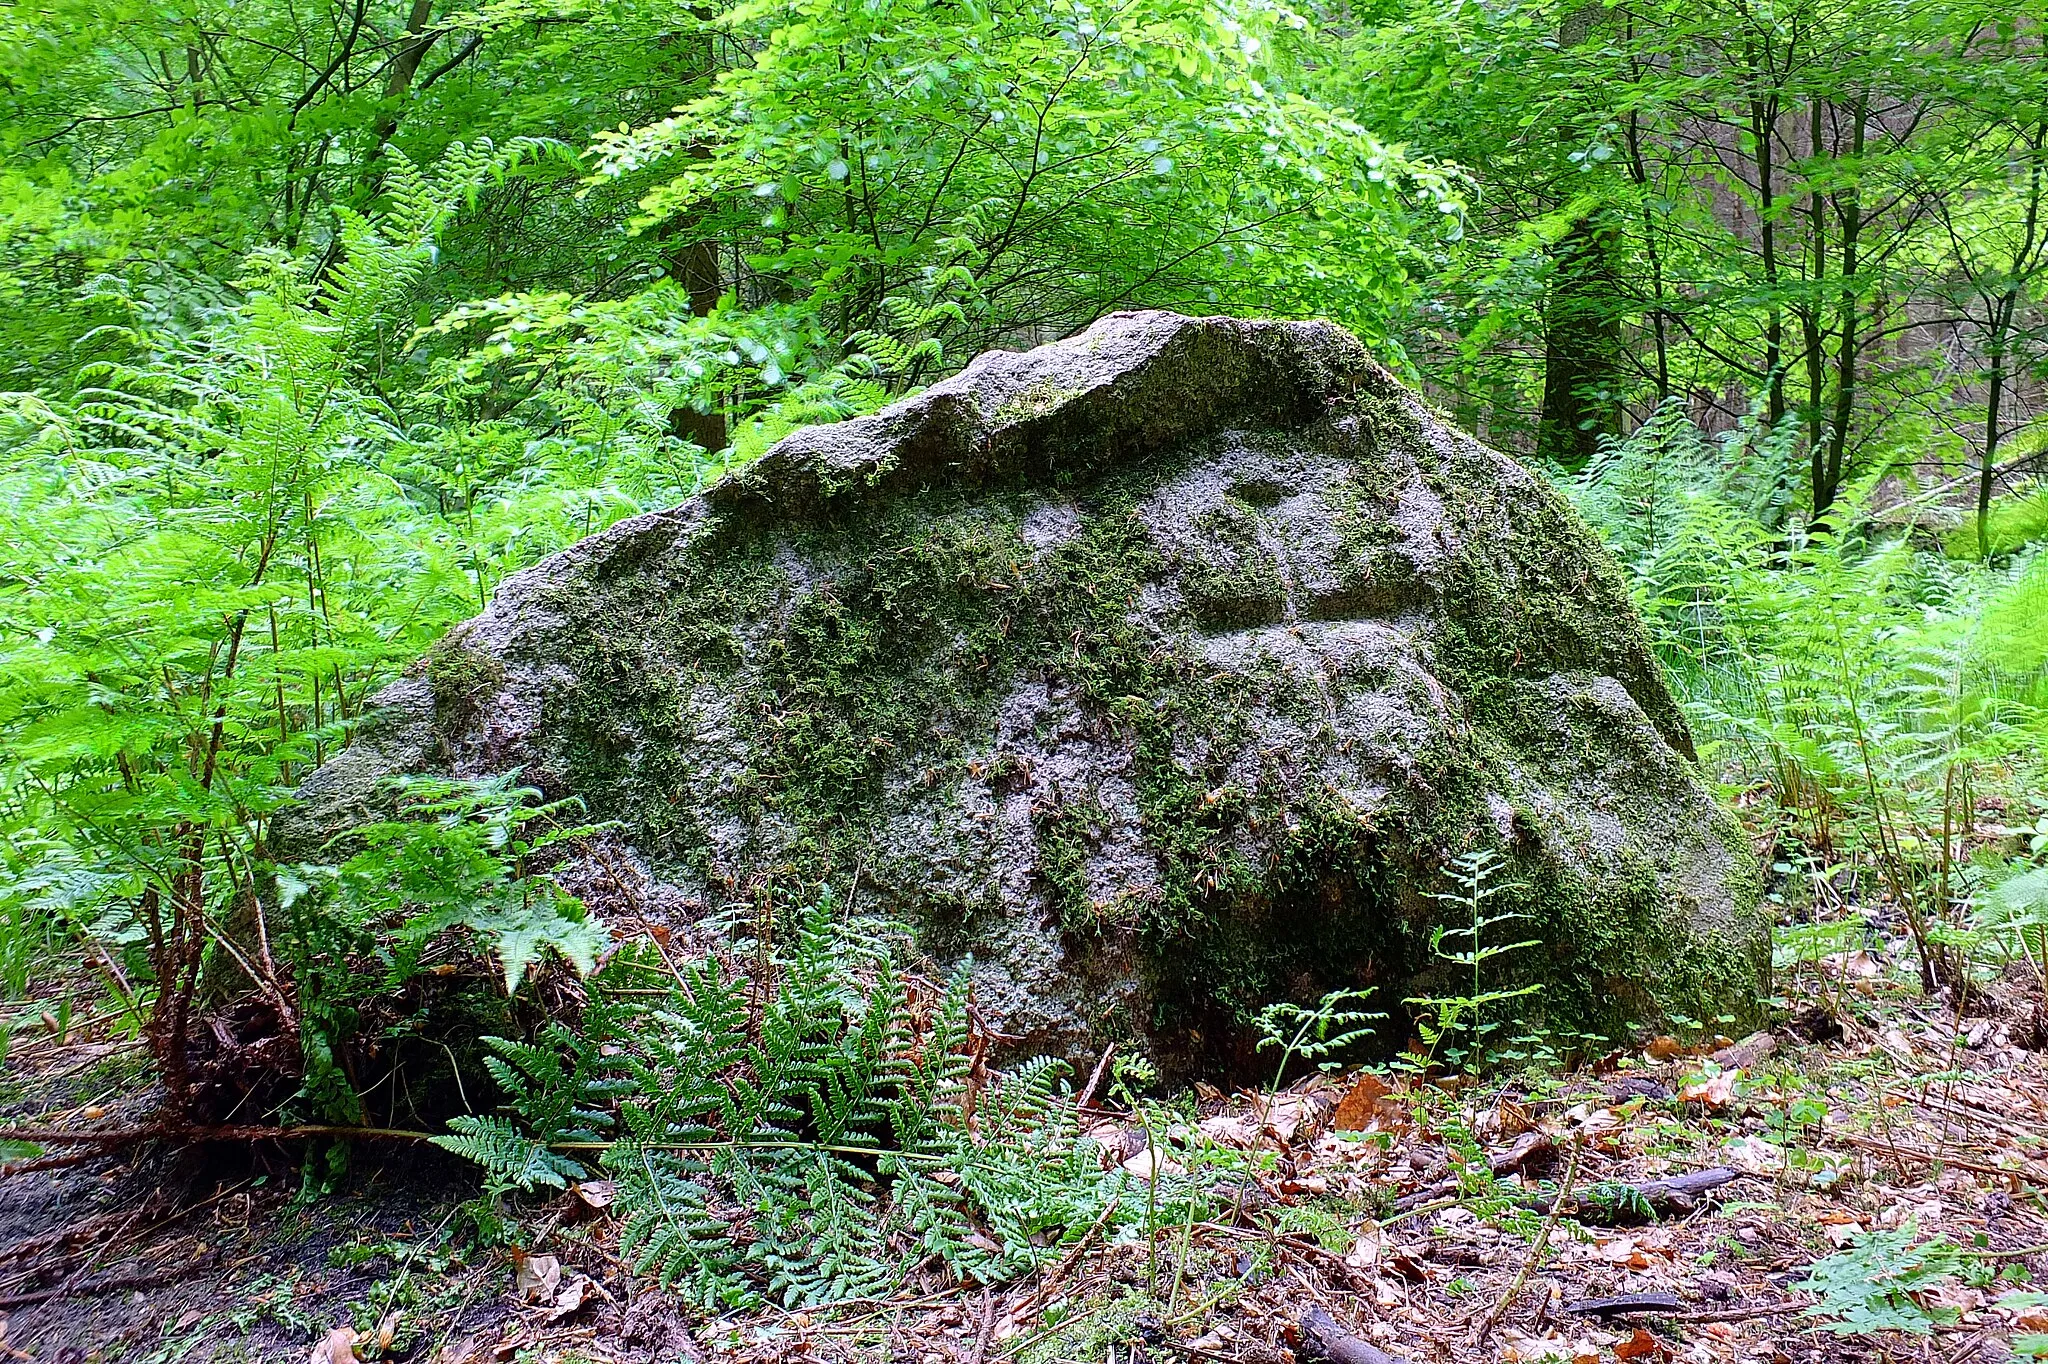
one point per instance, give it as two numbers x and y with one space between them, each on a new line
1163 671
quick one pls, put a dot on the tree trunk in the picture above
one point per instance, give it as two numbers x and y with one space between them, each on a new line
695 267
2024 264
1993 399
693 263
1829 469
1763 128
1582 348
1639 169
1813 338
405 64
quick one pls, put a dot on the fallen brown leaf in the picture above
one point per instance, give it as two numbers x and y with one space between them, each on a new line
1641 1345
338 1348
1289 1115
1227 1129
1715 1091
538 1278
1357 1109
1141 1165
574 1294
1616 1252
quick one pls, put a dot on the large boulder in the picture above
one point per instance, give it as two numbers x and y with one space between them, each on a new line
1165 670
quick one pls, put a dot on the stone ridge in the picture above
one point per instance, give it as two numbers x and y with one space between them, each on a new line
1132 383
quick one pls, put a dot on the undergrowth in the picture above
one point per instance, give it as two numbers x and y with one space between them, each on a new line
815 1134
1878 707
228 533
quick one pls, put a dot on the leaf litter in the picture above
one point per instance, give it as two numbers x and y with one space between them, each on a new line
1682 1195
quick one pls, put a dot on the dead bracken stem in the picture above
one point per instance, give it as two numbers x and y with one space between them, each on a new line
1536 1249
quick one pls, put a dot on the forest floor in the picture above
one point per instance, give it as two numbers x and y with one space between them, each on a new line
1898 1117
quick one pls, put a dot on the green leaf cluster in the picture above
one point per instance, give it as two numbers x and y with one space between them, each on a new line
810 1133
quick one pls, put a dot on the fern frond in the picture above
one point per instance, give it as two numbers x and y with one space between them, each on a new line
668 1229
507 1154
812 1145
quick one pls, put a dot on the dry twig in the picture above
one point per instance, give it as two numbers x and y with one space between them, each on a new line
1542 1243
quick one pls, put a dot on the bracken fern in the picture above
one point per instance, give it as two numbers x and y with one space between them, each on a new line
812 1141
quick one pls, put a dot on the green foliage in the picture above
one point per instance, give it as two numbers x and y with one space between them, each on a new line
785 1139
2013 912
1871 1285
1880 691
457 858
1456 1029
450 877
1624 252
1315 1034
303 365
1058 159
1619 1201
508 1156
2031 1344
2015 524
210 570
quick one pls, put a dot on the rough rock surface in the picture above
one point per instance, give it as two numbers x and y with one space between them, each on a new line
1163 669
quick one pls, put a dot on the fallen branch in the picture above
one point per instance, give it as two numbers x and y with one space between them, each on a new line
1323 1338
36 1245
117 1283
1668 1305
1038 1297
2016 1253
1673 1194
1535 1257
1748 1053
1627 1304
135 1136
1095 1078
1530 1149
2030 1174
1776 1309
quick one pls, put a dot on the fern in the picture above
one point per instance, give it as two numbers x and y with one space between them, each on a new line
508 1155
1875 690
457 859
668 1229
2013 911
214 568
823 1242
789 1142
557 1087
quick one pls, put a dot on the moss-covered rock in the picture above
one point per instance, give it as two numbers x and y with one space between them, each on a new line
1163 670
